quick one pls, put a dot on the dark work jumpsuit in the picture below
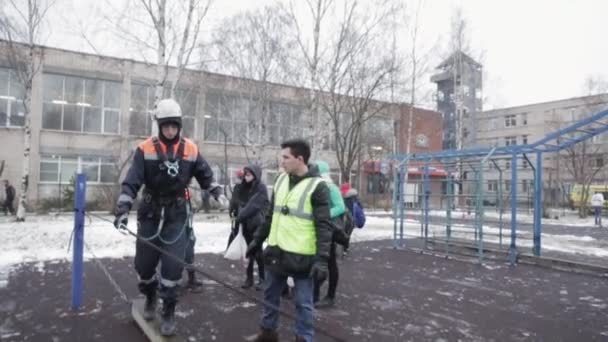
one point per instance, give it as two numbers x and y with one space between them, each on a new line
163 214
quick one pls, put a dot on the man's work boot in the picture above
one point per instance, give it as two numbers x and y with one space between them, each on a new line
247 284
150 307
267 335
194 284
150 291
167 324
300 339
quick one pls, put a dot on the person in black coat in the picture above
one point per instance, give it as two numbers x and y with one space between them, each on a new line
251 202
9 199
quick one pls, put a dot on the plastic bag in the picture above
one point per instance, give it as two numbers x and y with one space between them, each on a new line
237 248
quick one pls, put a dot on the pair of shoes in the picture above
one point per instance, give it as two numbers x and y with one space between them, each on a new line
325 303
267 335
247 284
260 285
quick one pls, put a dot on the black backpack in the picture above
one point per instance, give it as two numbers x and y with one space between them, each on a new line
343 226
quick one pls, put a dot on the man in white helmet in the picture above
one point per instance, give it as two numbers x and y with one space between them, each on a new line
164 165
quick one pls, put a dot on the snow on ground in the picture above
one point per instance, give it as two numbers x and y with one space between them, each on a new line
565 217
45 238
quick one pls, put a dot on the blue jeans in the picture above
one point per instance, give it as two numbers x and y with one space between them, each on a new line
274 285
598 216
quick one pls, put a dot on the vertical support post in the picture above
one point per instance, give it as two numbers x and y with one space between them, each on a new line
448 214
77 256
402 169
538 202
479 210
513 248
476 226
500 207
396 200
427 190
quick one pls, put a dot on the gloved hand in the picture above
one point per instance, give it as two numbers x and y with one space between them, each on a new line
122 217
252 249
319 270
216 192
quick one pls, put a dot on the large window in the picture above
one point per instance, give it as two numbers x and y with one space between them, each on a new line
61 169
12 92
240 120
142 108
187 100
81 104
510 121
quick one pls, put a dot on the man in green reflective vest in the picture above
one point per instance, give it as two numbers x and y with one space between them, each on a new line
299 234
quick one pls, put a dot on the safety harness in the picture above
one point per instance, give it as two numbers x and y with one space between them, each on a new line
169 163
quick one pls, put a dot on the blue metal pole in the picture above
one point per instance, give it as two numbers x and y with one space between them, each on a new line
538 202
396 186
450 193
427 191
513 248
401 204
77 265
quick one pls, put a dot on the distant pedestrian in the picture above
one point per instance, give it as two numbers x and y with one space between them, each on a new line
7 206
597 202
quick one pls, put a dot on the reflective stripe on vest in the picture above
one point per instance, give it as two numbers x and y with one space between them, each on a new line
295 231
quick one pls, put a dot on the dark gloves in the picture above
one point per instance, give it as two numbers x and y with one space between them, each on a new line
319 270
122 217
216 191
252 249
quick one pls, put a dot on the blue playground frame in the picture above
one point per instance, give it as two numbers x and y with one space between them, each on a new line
569 136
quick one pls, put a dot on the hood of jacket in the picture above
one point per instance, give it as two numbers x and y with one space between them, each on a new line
256 170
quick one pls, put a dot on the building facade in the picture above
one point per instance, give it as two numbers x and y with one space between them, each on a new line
526 124
89 112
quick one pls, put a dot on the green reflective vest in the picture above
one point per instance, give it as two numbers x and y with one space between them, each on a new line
293 229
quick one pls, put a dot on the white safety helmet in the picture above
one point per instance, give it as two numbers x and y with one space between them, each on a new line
168 110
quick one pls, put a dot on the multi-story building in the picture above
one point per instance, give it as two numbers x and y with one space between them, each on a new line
90 111
529 123
459 99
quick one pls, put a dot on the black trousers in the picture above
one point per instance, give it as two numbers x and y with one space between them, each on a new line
7 207
248 234
173 238
333 275
190 246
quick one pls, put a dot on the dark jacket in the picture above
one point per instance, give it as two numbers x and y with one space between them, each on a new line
251 200
293 264
10 193
147 170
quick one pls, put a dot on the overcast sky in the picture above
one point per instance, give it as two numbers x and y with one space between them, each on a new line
532 50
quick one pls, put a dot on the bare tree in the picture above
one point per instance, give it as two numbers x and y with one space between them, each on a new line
310 56
585 161
22 32
170 29
252 47
357 74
